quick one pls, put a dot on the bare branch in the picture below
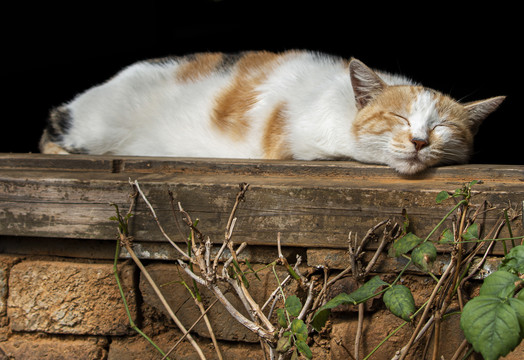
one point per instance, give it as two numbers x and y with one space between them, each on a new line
182 253
163 299
267 335
308 302
202 315
386 236
405 349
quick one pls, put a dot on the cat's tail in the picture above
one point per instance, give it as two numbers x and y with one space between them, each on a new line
57 124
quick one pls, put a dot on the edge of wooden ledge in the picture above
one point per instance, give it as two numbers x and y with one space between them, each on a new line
135 164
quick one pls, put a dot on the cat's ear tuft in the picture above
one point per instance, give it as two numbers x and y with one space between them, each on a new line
479 110
366 83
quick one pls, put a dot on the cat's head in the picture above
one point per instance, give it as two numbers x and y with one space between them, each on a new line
411 127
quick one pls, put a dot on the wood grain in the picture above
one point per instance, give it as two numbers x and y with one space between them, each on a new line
313 204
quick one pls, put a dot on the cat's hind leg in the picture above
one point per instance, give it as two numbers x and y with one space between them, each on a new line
49 147
56 128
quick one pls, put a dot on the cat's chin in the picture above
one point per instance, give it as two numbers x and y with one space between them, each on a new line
409 167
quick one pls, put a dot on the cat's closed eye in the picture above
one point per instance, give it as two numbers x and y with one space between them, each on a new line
398 116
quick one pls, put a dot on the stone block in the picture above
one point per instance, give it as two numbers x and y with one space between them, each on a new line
6 262
137 348
35 347
69 298
376 327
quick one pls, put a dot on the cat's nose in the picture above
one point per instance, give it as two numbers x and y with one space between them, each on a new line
419 143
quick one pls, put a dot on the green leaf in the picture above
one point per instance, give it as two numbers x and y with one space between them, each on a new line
500 283
293 305
424 255
474 182
322 314
518 306
471 233
294 355
447 237
340 299
459 192
299 329
367 290
405 223
441 196
513 262
304 349
404 244
281 316
491 326
520 295
284 344
319 319
399 301
361 294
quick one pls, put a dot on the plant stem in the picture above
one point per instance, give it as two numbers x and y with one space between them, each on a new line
426 310
128 312
191 328
163 300
359 329
436 338
263 333
460 349
509 231
209 327
182 253
445 218
394 332
458 259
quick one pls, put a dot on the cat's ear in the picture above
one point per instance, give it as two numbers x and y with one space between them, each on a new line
479 110
366 83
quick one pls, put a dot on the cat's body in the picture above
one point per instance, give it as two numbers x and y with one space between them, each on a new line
293 105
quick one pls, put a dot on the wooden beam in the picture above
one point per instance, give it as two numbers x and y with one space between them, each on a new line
313 204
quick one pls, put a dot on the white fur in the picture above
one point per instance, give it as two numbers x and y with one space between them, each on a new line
143 111
423 116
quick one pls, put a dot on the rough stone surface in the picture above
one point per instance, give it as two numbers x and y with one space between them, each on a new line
69 298
516 354
137 348
35 347
6 262
3 294
224 325
375 328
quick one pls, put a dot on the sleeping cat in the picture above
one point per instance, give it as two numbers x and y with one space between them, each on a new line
291 105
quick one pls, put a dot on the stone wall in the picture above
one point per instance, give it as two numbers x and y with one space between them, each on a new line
56 308
62 308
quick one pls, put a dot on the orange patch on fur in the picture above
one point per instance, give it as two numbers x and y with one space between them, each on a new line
376 123
456 118
386 111
232 105
198 66
274 140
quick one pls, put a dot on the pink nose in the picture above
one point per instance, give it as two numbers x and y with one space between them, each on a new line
419 143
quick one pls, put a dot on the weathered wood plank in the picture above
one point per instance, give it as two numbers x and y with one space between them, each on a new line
313 204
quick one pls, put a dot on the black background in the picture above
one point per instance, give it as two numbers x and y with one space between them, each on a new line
49 53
